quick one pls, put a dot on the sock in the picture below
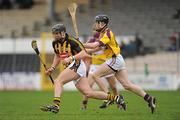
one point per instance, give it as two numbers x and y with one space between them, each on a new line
147 97
56 101
111 97
84 102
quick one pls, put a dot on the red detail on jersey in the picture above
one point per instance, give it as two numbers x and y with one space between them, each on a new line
63 55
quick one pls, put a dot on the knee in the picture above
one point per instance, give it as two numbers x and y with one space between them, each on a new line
95 75
113 87
88 94
91 76
58 82
127 86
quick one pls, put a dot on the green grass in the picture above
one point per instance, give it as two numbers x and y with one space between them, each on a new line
24 105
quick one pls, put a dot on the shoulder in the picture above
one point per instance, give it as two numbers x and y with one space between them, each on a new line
109 33
73 40
54 42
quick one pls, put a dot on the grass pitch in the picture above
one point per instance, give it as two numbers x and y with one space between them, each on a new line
24 105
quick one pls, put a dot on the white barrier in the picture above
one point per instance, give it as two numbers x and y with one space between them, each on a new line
153 81
31 81
20 81
156 81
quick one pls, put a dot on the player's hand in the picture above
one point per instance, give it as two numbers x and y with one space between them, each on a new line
49 70
66 61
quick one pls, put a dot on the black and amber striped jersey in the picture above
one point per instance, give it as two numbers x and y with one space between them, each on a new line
70 46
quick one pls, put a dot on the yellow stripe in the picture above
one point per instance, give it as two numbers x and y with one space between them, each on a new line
79 43
112 97
108 97
115 98
69 49
57 105
58 99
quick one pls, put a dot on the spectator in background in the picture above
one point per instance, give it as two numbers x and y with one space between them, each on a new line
139 44
22 4
174 42
25 4
177 15
131 48
5 4
123 49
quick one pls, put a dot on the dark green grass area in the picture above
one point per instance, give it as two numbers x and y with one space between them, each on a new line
24 105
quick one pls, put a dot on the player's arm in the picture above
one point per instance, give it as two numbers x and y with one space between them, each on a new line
93 50
104 40
91 45
56 61
81 55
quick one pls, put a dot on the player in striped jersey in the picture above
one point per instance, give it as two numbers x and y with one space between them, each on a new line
71 52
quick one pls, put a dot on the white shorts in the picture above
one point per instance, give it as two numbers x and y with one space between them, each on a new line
94 68
81 69
116 63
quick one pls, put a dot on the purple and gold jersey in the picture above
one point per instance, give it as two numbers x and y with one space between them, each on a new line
107 38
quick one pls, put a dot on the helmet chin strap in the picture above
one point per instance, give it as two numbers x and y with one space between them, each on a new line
61 40
101 29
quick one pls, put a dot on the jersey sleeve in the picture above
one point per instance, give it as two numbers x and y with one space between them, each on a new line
76 45
104 40
53 45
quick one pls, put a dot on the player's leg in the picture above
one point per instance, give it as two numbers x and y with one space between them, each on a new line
64 77
99 82
122 77
85 98
83 86
109 75
91 81
104 70
97 74
112 84
111 79
84 102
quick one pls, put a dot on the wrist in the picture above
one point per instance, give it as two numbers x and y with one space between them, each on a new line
73 58
52 67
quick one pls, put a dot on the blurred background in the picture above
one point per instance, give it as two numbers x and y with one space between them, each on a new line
148 32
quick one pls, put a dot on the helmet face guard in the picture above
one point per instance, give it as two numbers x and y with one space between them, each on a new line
58 28
102 18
